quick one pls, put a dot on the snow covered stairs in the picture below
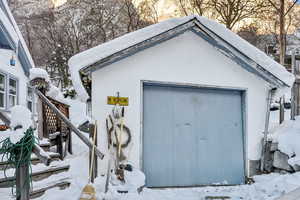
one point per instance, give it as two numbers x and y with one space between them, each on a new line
34 161
43 177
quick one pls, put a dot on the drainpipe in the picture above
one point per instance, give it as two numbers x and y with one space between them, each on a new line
294 88
266 130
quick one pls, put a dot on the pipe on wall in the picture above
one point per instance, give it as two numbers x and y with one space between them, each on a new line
266 129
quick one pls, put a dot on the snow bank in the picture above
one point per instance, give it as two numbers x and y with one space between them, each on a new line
93 55
39 73
288 136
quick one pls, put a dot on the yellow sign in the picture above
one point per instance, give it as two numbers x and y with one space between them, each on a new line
122 101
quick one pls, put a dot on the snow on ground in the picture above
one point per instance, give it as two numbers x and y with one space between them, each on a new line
267 187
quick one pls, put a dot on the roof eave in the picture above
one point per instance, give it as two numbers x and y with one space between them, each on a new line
194 25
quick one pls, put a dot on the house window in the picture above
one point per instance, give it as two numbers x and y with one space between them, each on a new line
8 91
12 93
2 91
30 98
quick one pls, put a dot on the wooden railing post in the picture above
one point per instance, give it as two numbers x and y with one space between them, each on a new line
40 119
22 185
95 165
281 110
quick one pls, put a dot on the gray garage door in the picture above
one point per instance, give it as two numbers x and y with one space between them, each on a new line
192 136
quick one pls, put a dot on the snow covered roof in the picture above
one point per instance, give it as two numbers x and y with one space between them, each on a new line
260 61
14 32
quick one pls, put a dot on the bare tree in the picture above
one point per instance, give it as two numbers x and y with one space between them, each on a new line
148 11
199 7
282 9
59 33
230 12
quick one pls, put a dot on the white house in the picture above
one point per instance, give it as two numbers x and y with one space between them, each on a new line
198 97
15 63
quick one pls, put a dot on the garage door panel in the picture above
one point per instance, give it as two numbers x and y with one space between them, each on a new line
192 136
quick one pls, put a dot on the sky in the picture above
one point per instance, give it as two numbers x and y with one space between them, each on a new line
58 2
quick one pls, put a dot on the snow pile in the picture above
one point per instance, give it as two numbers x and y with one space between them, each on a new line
78 112
53 91
288 136
134 180
93 55
39 73
20 116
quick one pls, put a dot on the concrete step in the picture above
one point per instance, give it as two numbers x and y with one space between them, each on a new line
36 176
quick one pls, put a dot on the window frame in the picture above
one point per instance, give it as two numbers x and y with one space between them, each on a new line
30 100
7 77
4 92
9 94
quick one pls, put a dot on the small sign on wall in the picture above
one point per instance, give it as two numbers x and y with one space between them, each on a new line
122 101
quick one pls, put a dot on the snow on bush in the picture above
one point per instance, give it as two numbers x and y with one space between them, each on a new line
20 116
39 73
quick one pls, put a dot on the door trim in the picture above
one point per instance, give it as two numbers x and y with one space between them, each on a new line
244 105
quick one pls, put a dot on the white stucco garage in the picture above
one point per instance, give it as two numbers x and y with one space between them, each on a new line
197 99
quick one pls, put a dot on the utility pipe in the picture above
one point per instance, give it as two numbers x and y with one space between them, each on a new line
266 130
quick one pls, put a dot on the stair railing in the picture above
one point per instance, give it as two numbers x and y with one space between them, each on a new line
62 117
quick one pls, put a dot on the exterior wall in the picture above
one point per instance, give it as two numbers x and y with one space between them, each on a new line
16 72
184 59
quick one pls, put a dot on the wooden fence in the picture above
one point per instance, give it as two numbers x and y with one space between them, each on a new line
55 129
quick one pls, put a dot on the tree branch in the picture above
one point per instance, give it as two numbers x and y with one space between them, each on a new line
290 8
277 9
